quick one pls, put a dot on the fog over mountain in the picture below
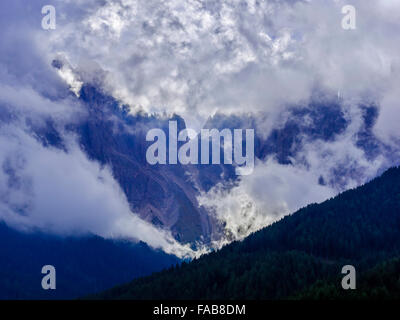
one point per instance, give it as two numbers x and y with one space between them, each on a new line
76 103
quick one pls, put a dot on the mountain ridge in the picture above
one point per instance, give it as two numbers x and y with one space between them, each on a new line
82 264
282 260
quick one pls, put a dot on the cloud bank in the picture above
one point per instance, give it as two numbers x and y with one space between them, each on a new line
199 57
59 190
65 193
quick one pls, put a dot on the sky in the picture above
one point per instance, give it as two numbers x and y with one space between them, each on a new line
194 58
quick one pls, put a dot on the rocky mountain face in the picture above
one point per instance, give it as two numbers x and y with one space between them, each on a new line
166 195
162 195
322 121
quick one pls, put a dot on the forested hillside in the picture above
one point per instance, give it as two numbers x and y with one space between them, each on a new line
380 282
297 257
83 264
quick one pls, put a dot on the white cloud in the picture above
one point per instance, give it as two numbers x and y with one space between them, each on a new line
319 171
194 57
270 193
65 193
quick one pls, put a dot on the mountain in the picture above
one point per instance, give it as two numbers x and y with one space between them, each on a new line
321 120
358 227
168 195
162 195
83 264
